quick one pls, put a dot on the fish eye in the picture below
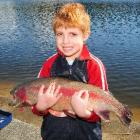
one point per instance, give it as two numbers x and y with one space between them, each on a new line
12 92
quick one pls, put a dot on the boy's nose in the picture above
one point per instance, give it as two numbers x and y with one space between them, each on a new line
65 39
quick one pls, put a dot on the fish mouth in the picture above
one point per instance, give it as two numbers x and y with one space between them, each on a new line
14 103
11 92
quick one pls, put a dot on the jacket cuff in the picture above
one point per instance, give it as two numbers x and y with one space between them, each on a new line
39 113
93 117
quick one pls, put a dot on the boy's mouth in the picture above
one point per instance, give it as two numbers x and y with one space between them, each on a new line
67 49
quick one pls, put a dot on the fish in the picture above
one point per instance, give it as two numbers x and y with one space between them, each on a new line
100 101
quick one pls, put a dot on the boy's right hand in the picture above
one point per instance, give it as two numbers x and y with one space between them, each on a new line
48 98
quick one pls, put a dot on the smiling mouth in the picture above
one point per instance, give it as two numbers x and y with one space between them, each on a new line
67 48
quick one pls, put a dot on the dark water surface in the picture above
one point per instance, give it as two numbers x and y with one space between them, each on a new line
26 40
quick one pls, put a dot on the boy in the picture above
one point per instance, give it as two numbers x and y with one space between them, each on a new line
71 26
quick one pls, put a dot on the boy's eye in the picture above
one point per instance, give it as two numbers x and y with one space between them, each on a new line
59 34
73 34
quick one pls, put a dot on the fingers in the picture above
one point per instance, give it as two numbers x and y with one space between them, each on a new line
82 94
59 96
41 90
86 95
53 90
57 90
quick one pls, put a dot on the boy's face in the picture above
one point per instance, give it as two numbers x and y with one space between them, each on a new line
70 41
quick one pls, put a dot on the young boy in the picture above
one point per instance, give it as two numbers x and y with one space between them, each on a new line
71 26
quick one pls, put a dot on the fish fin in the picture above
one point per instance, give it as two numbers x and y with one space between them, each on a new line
12 102
126 116
26 104
23 105
21 109
69 113
104 115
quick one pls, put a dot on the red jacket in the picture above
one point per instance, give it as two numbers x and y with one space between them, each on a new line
90 67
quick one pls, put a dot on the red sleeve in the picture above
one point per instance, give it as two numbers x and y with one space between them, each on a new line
44 72
35 111
97 74
46 68
97 77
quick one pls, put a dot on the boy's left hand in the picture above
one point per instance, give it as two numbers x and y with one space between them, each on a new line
79 102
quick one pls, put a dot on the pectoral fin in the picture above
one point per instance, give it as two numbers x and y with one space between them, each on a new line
104 115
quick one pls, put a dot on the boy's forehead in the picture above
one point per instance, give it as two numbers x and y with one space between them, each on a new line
74 29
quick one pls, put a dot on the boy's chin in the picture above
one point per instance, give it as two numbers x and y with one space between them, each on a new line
71 54
71 57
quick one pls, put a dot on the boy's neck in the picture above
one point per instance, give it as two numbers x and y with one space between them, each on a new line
70 61
72 58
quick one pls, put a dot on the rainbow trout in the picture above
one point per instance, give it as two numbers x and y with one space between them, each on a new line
100 101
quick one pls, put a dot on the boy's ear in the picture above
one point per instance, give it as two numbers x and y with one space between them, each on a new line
86 36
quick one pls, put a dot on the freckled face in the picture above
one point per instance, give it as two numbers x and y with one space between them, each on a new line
70 41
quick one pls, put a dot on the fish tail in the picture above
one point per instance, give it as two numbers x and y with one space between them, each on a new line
126 117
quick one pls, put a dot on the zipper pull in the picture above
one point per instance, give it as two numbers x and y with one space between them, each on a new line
70 71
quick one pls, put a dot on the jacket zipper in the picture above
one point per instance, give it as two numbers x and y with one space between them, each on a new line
70 70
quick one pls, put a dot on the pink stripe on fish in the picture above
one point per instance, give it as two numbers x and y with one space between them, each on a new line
21 94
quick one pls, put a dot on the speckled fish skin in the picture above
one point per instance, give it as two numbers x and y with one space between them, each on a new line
100 101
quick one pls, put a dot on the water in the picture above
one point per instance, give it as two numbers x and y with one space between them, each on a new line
27 39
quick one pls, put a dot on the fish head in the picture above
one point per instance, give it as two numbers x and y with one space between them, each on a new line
19 96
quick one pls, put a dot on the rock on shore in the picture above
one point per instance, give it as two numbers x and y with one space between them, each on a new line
18 130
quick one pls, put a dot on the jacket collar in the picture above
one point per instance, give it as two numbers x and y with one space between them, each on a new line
85 54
